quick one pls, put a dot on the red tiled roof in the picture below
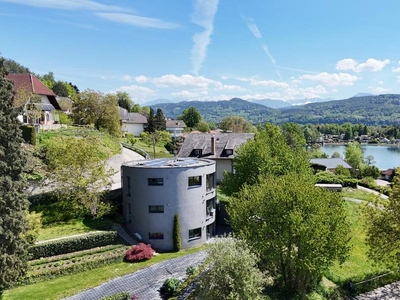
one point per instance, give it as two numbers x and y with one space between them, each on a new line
30 83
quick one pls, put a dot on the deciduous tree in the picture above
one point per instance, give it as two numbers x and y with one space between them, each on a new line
155 138
354 156
191 117
236 124
13 200
124 100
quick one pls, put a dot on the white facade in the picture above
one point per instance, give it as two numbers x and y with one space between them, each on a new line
135 129
155 190
223 165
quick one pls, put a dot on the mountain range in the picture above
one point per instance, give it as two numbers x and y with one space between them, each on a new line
370 110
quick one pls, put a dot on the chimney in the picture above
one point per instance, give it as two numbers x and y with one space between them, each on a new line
213 145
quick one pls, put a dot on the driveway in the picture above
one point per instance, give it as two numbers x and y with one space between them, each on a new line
387 292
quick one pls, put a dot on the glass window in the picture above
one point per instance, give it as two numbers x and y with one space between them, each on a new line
197 151
229 151
128 180
155 181
195 181
210 208
210 182
195 233
156 208
156 236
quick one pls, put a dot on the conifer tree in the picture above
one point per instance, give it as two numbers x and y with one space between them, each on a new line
176 234
13 200
151 122
161 123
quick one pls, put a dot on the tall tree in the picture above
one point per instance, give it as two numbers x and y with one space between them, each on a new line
11 66
151 122
13 200
298 230
231 272
161 123
294 135
191 117
124 100
60 89
268 153
236 124
354 156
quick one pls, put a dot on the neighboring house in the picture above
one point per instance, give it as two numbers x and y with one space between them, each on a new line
175 127
25 86
66 104
218 147
153 191
387 174
328 164
133 123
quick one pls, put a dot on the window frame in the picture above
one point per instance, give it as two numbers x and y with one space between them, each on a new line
156 235
156 210
159 181
193 183
195 237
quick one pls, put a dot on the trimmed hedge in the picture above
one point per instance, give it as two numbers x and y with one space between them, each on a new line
176 234
73 244
29 134
118 296
329 177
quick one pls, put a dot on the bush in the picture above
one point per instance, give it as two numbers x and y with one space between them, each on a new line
118 296
176 233
190 270
139 252
369 182
72 244
169 287
34 225
42 199
329 177
29 134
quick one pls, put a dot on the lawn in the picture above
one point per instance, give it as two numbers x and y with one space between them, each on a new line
358 194
73 227
161 152
71 284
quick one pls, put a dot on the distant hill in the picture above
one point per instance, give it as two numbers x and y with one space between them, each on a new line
371 110
272 103
363 95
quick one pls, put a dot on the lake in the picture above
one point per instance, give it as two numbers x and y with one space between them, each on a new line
385 157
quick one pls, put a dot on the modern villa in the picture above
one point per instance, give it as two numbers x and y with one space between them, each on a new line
153 191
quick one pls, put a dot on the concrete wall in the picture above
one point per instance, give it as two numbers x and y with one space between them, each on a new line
176 197
135 129
223 165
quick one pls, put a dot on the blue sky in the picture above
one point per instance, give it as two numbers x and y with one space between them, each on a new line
209 49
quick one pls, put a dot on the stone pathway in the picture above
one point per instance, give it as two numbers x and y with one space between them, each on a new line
372 192
123 234
387 292
144 283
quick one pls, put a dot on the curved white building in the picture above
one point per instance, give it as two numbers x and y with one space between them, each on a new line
155 190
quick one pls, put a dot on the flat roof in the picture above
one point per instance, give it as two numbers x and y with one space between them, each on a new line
169 163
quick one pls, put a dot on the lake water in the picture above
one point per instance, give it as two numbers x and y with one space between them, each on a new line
385 157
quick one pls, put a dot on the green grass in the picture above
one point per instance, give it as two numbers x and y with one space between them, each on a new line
71 284
358 265
221 196
358 194
161 152
73 227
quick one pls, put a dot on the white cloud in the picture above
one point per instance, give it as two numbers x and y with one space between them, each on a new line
127 78
371 64
185 95
378 89
266 50
138 93
378 81
309 92
269 83
137 21
253 27
203 15
141 79
396 70
229 87
224 77
259 96
171 80
398 78
68 4
333 79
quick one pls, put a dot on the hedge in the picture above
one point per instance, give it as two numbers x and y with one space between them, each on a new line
118 296
329 177
72 244
29 134
42 199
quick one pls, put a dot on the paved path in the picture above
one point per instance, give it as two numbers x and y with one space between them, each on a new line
123 234
387 292
144 283
372 192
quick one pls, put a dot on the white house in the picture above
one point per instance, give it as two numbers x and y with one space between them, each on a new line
175 127
133 123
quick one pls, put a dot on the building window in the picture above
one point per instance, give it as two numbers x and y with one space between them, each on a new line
197 151
156 208
195 233
155 181
156 236
210 208
210 182
128 183
195 181
229 151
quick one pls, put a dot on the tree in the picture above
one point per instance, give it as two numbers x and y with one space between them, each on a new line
151 122
298 230
232 272
293 134
48 80
354 156
268 153
335 155
383 228
176 234
370 171
203 126
98 109
191 117
340 170
13 199
12 67
124 100
155 138
370 160
236 124
60 89
161 123
78 173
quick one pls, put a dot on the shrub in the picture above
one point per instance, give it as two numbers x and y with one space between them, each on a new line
190 270
176 233
340 170
29 134
329 177
72 244
34 225
169 287
118 296
139 252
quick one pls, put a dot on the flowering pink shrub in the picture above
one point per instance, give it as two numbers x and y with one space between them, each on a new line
139 252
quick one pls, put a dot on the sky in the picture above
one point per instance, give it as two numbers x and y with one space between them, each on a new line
209 49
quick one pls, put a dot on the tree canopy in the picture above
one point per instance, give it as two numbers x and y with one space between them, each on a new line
191 117
236 124
13 200
160 121
124 100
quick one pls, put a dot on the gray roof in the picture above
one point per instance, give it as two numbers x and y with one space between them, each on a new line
44 106
330 163
132 118
175 124
169 163
223 141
